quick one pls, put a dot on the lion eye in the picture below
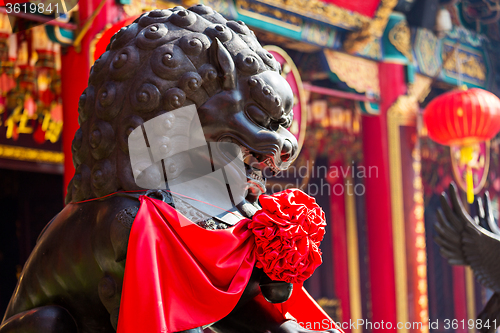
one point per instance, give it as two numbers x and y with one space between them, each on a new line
259 116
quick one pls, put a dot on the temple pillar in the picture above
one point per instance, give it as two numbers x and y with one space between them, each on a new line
392 79
75 67
339 244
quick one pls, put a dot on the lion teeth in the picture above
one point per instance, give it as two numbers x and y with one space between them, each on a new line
272 166
256 177
247 153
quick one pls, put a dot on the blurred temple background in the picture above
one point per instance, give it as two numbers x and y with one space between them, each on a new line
362 71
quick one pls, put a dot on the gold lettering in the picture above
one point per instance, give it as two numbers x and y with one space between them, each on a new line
23 127
12 120
54 132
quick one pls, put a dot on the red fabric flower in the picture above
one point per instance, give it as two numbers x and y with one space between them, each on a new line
288 231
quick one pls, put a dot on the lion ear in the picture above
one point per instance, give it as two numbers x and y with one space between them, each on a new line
222 58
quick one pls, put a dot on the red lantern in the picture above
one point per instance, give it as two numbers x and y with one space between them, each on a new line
463 118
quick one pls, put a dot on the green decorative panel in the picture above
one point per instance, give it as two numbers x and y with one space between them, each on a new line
396 46
458 58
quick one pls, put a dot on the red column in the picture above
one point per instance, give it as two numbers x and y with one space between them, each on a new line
460 297
75 68
339 243
378 196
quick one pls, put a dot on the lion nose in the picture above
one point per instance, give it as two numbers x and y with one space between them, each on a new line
286 150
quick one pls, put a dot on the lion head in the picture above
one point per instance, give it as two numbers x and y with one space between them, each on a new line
172 58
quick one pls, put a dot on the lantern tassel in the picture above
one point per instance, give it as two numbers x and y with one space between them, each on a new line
466 156
470 185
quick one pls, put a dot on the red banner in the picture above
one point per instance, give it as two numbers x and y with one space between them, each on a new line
364 7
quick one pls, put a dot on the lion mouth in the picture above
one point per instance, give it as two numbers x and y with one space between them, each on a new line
254 173
258 166
272 166
255 178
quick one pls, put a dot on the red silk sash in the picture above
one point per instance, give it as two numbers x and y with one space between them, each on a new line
180 276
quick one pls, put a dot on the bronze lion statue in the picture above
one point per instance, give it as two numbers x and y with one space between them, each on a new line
165 60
